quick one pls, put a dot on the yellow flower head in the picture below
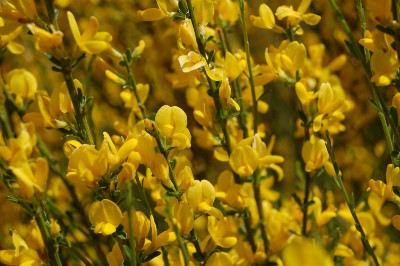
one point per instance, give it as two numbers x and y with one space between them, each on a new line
90 41
201 198
105 215
220 232
314 153
384 65
294 17
172 124
86 165
244 160
140 225
22 84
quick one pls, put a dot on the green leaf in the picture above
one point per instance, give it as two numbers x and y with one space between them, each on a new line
297 199
393 114
12 199
197 257
152 256
128 252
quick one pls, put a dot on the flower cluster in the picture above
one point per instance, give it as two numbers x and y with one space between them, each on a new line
199 132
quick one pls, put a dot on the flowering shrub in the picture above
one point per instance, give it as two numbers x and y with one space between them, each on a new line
199 132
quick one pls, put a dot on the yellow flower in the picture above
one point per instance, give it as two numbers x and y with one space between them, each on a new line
230 193
30 176
191 61
330 100
129 97
322 217
294 17
157 240
172 124
153 14
314 153
91 41
187 38
266 20
46 41
22 255
105 215
225 9
293 57
115 257
386 190
22 84
303 94
86 165
54 228
303 252
384 65
244 160
220 259
203 11
140 225
182 214
220 232
201 197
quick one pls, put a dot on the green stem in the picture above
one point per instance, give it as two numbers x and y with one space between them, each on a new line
165 256
51 13
247 48
181 243
368 73
237 89
196 244
132 83
80 116
50 243
81 257
350 203
257 196
211 83
5 122
54 166
132 242
165 154
249 232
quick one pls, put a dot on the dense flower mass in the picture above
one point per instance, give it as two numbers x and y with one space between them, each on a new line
200 132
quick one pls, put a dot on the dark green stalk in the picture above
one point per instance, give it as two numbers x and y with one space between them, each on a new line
51 244
247 48
350 203
51 13
132 242
80 116
368 73
132 83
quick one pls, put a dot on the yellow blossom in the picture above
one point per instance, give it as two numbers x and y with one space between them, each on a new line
140 225
330 99
303 252
90 41
384 65
22 255
266 19
386 190
294 17
204 11
105 215
201 197
171 123
315 154
22 84
46 41
220 259
244 160
86 165
220 232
